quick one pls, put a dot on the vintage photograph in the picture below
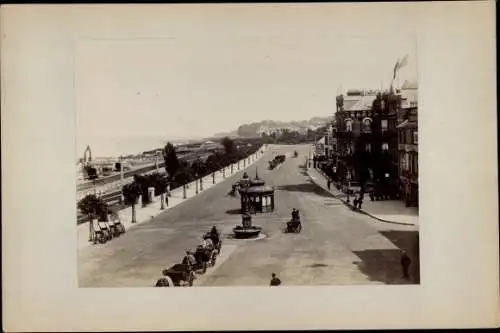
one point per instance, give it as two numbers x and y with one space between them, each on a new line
247 159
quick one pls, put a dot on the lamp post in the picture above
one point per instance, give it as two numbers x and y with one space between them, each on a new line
201 183
162 198
184 195
348 184
196 182
213 177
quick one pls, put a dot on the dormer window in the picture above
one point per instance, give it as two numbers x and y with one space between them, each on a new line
367 124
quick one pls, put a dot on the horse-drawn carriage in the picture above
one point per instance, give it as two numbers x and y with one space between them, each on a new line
205 255
179 275
294 225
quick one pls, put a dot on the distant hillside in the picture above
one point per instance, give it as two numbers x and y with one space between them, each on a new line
249 130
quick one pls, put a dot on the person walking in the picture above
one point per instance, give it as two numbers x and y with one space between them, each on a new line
275 281
329 184
405 264
360 200
166 199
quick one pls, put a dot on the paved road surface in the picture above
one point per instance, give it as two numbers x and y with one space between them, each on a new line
336 246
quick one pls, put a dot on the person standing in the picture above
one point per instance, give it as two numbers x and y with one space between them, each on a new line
275 281
329 184
405 264
166 199
360 200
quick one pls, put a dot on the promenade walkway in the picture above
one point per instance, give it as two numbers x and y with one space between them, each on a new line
144 214
389 211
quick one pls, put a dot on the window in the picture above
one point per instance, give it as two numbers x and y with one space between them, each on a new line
415 137
348 125
383 125
368 147
385 146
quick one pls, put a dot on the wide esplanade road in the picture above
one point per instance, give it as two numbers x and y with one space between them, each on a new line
336 245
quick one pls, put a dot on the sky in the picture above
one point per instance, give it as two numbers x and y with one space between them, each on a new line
131 93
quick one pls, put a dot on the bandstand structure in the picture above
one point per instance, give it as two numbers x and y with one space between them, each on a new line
255 196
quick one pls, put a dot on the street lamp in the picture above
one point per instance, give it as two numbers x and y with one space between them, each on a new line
196 181
348 184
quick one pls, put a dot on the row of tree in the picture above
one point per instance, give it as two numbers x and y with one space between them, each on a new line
178 173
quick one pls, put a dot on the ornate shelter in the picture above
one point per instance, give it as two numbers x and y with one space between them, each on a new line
257 199
255 196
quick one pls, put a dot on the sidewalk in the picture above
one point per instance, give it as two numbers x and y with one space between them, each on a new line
389 211
152 210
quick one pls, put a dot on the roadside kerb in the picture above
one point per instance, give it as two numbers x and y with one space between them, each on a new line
153 209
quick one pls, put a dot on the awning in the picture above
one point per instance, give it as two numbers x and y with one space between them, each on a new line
403 124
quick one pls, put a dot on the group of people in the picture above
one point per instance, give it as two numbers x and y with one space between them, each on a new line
295 215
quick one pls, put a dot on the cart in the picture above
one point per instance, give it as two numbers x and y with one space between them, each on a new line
180 275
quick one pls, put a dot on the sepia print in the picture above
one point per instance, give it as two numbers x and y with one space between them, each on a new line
204 164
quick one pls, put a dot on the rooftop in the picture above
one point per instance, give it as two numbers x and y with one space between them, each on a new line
361 104
258 189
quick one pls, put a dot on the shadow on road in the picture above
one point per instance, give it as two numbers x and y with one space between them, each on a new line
236 211
382 265
310 187
385 265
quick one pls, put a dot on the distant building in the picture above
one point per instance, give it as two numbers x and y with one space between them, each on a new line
211 146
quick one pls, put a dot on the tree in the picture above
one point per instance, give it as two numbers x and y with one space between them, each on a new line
92 206
172 163
132 192
229 146
198 167
213 163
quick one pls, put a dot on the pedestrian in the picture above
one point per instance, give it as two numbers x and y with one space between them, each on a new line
405 264
275 281
360 200
166 200
329 184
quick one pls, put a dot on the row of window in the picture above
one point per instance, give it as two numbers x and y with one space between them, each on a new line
408 137
368 147
409 162
367 122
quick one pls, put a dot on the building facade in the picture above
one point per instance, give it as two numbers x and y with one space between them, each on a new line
408 145
366 142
